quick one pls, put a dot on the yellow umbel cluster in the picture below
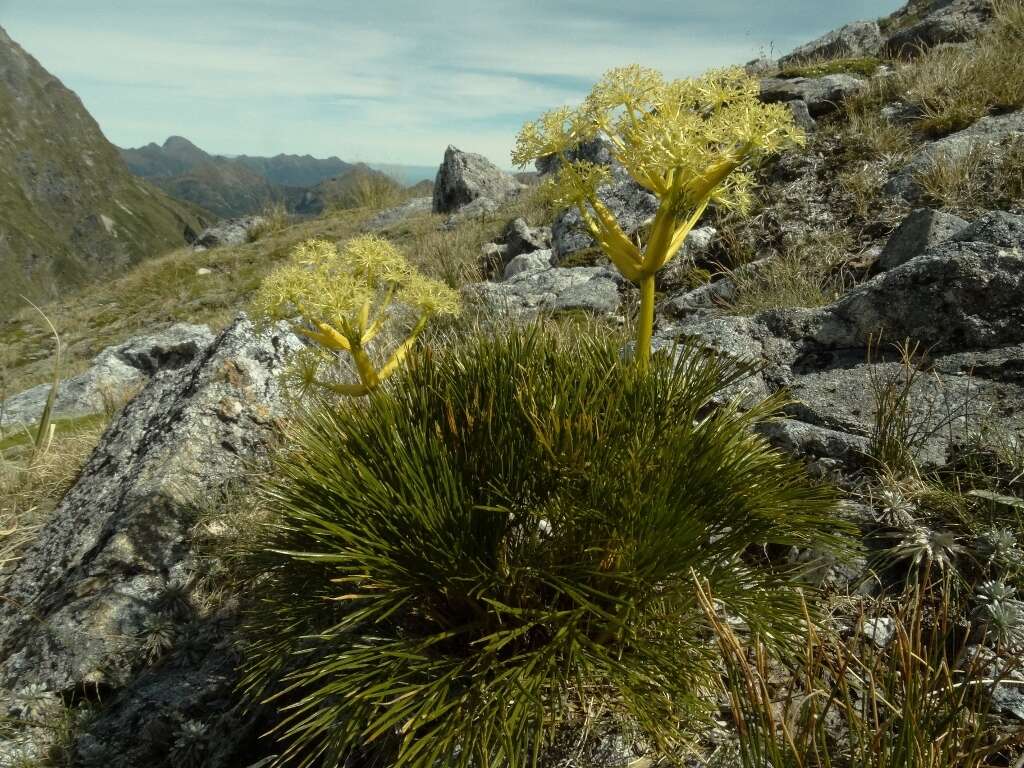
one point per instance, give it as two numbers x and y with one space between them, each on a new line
343 297
690 142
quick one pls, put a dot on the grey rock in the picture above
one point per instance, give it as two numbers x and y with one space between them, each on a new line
880 630
528 262
996 227
391 216
855 40
955 296
118 547
597 151
946 21
921 229
520 237
114 372
804 440
464 177
480 209
556 289
710 295
821 94
988 131
802 115
631 204
228 232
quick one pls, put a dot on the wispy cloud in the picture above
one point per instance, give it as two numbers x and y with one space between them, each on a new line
388 81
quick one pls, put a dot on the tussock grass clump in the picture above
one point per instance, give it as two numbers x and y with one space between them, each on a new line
505 538
808 273
956 86
982 178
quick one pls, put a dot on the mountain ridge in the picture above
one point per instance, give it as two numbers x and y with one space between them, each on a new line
70 210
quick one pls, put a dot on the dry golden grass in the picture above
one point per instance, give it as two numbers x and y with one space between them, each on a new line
983 178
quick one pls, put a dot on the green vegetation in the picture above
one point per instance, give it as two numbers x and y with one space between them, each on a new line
807 273
345 299
982 178
864 67
364 188
275 219
689 142
505 539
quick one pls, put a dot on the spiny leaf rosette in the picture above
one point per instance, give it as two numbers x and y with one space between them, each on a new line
690 142
343 299
505 538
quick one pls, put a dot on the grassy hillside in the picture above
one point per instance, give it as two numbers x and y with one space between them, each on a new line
69 208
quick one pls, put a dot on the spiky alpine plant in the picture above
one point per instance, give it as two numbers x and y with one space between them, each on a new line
343 299
505 538
690 142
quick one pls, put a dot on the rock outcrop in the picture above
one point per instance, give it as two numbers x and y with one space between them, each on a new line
108 582
822 95
857 39
934 22
114 372
228 232
465 177
959 299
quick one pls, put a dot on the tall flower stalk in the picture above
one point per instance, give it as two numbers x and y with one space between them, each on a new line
690 142
342 300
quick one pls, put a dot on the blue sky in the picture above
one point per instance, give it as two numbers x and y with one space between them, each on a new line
390 81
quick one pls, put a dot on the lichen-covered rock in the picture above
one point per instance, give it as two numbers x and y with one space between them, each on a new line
943 21
988 131
464 177
854 40
920 230
81 599
114 372
955 296
228 232
996 227
821 94
555 289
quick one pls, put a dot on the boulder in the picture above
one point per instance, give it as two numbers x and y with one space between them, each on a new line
955 296
808 441
520 237
109 578
228 232
987 131
943 21
821 94
920 230
464 177
528 262
114 372
554 289
858 39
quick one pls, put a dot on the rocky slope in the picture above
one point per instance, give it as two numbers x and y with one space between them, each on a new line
69 208
109 605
